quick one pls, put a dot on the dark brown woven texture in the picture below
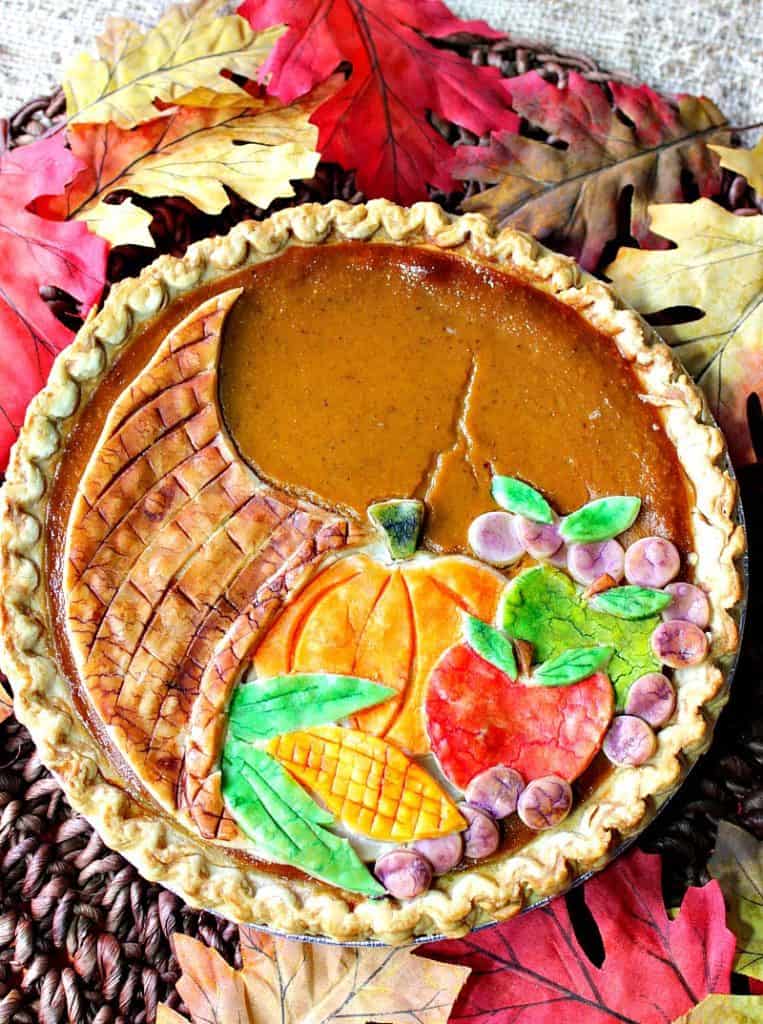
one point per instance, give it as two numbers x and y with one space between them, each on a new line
83 938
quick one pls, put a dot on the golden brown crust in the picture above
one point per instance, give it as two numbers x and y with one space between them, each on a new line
201 872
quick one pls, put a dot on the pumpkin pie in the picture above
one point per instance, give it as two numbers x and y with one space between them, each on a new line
368 573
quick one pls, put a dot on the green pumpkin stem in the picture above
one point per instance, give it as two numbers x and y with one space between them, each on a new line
400 521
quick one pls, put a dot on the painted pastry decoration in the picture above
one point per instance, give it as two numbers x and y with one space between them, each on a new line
331 695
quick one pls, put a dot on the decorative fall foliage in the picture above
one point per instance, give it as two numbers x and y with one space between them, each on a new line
737 863
716 268
193 152
570 196
377 123
35 252
725 1010
182 57
748 162
533 968
305 983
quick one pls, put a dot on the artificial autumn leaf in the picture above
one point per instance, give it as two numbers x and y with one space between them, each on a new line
534 969
571 195
196 153
35 252
377 123
311 983
717 268
725 1010
6 700
737 863
747 162
183 54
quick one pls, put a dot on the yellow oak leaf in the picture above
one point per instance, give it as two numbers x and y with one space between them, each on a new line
184 54
747 162
717 269
722 1009
306 983
256 151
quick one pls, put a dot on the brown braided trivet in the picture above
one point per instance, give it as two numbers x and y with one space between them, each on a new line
83 938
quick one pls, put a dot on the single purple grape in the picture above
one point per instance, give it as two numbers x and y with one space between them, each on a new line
587 562
404 873
482 837
545 802
629 741
679 644
541 540
496 790
494 539
652 562
689 604
652 698
443 853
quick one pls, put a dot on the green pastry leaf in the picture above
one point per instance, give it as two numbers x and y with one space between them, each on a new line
631 602
574 665
491 644
516 496
543 606
285 823
600 520
264 708
400 519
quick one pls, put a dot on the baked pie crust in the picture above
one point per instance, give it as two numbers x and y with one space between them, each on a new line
169 848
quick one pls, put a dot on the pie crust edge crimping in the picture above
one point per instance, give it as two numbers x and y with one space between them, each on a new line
202 874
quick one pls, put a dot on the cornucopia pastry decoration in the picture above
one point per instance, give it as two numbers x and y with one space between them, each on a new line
367 573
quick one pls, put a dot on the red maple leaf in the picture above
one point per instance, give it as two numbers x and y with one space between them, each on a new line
36 252
533 970
376 124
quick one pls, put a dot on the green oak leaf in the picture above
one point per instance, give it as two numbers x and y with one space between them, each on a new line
631 602
516 496
400 519
263 708
285 823
491 644
574 665
600 520
737 863
543 606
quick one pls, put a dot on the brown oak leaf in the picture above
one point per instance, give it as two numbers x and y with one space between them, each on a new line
569 191
311 983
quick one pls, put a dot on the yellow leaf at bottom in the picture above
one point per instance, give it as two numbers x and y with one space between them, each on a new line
720 1009
305 983
717 268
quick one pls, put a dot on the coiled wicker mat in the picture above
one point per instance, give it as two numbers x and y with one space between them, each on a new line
83 938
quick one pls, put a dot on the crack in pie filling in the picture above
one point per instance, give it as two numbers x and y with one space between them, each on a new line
367 573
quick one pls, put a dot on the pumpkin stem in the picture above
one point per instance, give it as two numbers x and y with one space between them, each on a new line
400 520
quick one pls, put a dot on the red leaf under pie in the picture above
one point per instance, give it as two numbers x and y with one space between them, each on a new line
532 969
377 122
36 252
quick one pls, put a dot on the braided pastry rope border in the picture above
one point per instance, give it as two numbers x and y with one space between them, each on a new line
201 873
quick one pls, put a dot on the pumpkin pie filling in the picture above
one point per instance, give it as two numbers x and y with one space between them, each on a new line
378 548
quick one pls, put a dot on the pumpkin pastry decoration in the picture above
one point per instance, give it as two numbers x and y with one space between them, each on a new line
368 573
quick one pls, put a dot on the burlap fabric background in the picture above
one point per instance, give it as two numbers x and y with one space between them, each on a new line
709 46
